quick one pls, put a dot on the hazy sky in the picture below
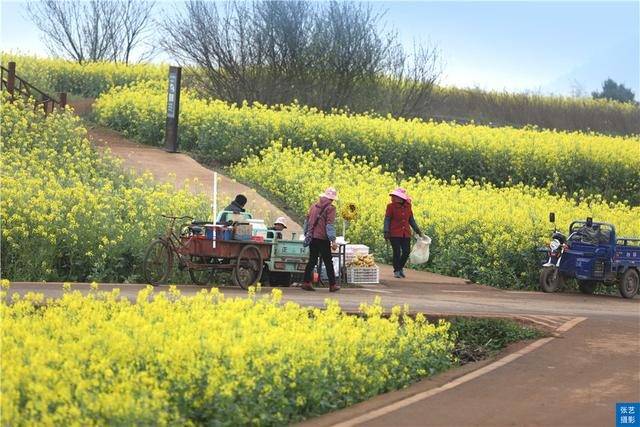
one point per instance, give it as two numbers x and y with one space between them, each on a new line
545 46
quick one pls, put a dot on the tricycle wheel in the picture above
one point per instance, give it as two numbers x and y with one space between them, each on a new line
551 279
279 278
587 286
629 284
158 261
248 267
199 276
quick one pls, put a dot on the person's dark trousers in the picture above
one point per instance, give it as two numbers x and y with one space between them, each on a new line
401 247
320 248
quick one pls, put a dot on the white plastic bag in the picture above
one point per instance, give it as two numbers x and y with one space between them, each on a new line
420 252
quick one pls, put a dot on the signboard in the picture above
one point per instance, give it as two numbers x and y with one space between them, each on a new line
171 99
173 109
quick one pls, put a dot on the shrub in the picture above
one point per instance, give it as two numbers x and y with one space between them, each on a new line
87 80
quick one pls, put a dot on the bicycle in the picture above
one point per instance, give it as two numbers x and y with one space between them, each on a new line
159 257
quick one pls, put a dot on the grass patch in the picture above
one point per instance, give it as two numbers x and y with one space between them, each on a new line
477 339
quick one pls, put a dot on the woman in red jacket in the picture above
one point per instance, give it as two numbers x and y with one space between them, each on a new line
398 222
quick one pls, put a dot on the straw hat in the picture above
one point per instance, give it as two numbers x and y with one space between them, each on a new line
281 221
330 193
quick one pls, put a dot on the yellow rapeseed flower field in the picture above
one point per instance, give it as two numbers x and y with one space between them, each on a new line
569 163
480 232
67 212
90 79
167 359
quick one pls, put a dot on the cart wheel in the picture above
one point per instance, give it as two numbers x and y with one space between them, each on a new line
629 284
158 261
551 279
198 276
587 286
248 267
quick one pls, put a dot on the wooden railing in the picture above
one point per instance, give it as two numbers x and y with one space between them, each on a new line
17 86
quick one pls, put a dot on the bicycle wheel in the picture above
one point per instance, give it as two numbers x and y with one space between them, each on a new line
158 262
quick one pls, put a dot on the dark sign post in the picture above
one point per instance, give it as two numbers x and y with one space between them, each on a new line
173 110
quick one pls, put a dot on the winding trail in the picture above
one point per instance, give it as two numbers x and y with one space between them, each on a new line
179 169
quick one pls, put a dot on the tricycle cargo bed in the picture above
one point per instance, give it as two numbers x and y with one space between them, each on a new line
632 242
627 251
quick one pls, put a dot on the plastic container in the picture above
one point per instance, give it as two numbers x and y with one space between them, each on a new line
258 228
227 234
362 275
242 231
350 251
212 231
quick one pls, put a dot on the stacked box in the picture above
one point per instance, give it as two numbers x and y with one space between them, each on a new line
362 275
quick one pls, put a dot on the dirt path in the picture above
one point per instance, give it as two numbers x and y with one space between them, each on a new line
178 168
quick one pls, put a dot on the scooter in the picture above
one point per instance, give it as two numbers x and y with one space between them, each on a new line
551 279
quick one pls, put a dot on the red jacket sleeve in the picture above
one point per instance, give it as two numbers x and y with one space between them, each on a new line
389 212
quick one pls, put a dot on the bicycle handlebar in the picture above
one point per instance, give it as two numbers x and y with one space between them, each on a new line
176 217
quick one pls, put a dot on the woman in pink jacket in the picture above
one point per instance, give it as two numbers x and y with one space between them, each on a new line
319 227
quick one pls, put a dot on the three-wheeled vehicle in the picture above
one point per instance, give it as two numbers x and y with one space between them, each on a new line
592 254
202 251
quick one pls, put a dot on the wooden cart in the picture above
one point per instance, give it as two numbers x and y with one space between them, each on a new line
244 258
201 257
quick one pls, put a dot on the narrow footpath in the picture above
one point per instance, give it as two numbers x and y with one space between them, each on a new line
178 169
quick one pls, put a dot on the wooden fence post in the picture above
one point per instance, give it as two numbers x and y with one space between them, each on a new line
63 99
11 78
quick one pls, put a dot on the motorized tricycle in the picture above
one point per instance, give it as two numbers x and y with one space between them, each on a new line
592 254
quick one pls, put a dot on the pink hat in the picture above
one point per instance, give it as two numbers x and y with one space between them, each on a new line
330 193
400 192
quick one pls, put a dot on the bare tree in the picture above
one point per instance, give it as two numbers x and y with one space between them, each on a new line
412 79
577 89
96 30
326 54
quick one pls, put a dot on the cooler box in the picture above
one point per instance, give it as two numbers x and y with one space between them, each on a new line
258 228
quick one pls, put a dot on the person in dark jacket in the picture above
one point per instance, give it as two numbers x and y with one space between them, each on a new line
319 224
237 205
398 222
